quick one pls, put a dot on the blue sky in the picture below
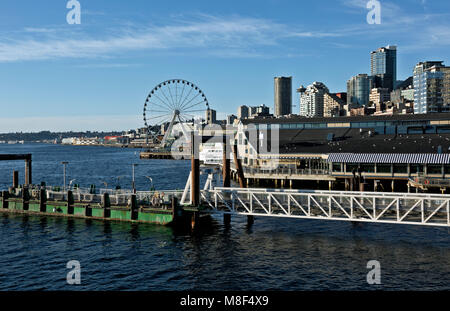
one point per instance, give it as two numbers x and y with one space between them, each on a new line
96 75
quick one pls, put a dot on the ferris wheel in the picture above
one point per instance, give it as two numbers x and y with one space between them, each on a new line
172 102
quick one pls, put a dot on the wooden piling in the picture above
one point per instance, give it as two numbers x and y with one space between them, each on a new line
28 173
15 179
226 171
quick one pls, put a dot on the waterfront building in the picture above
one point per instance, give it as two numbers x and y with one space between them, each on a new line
432 87
383 67
387 149
312 100
358 90
243 112
283 96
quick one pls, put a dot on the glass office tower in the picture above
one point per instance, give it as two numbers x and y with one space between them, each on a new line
383 67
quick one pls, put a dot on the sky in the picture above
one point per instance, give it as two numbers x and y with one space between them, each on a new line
97 74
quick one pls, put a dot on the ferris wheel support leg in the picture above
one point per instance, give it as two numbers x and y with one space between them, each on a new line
169 130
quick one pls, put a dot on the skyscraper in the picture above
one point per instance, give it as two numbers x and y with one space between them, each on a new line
243 112
358 90
283 96
383 67
431 87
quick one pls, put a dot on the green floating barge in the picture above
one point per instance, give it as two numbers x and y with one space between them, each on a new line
149 207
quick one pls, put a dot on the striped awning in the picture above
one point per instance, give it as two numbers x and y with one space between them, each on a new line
395 158
297 157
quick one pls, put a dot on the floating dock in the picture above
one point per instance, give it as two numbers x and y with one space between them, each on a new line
118 205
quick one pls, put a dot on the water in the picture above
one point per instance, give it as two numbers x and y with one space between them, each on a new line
274 254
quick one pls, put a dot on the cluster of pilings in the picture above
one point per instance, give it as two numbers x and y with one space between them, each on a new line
28 172
226 173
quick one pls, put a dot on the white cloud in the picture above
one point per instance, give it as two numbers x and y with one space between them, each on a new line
70 123
207 34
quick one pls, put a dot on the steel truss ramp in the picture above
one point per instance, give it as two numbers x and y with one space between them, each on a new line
392 208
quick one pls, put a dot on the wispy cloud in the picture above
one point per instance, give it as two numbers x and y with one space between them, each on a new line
70 123
208 34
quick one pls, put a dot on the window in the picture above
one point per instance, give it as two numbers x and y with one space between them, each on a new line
351 167
383 168
447 169
416 168
434 169
400 168
337 167
368 168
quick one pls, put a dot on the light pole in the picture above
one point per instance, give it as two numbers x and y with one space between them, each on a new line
64 163
133 183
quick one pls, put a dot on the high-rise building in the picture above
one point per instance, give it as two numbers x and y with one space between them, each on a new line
431 87
211 116
243 112
258 111
333 104
358 90
283 96
379 95
383 67
231 118
312 100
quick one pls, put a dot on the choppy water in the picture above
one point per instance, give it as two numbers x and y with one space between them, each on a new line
274 254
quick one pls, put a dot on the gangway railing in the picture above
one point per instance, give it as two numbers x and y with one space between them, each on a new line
394 208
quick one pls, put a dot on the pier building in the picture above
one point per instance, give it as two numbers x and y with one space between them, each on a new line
385 153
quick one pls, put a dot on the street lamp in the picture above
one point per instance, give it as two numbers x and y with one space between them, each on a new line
64 163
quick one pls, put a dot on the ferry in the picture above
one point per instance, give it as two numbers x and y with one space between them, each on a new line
211 154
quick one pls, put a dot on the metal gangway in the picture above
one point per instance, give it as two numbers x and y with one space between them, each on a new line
372 207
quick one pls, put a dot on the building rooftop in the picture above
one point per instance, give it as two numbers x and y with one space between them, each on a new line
297 119
347 140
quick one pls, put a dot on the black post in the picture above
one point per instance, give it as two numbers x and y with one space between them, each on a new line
106 205
5 196
134 207
25 198
195 171
43 200
175 209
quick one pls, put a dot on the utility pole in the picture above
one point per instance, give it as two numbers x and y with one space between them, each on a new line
64 163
